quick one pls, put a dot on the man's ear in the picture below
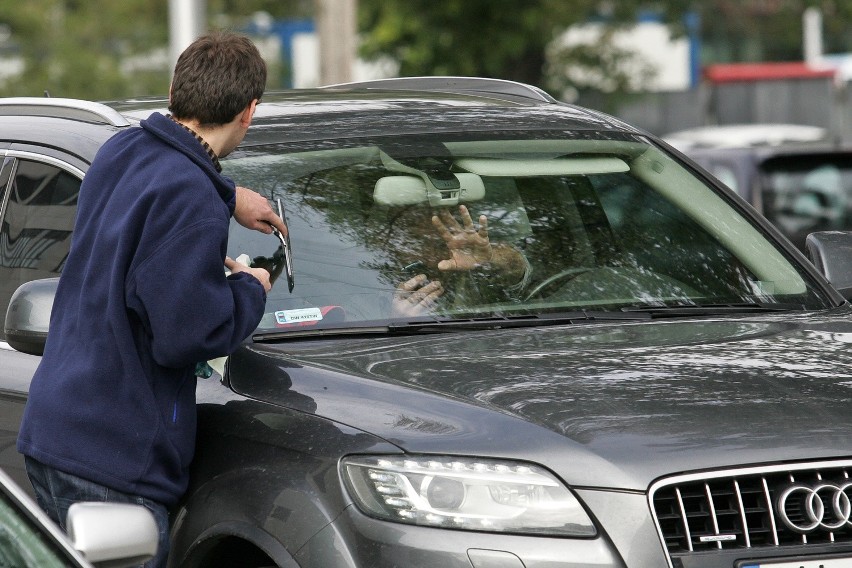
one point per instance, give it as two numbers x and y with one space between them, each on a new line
248 113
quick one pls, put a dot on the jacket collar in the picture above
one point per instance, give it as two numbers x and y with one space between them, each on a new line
184 140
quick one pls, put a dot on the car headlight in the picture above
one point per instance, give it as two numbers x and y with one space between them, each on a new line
465 493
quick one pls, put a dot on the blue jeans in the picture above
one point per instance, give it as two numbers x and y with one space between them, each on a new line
56 491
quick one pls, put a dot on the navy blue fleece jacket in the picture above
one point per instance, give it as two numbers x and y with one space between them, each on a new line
143 297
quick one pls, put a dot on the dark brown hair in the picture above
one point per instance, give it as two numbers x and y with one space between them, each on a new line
216 78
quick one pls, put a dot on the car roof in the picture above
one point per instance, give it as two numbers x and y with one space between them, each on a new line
399 106
73 126
348 112
410 105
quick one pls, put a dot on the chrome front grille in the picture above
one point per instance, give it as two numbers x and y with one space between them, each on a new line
791 505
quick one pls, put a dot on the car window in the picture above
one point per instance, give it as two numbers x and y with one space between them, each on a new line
23 544
37 222
803 194
602 224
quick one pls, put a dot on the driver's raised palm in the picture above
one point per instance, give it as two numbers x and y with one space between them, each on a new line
468 245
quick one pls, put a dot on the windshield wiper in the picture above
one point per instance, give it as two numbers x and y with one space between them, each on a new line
449 325
713 309
509 322
427 325
362 328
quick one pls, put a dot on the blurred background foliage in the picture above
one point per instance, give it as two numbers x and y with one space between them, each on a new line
497 38
103 50
76 47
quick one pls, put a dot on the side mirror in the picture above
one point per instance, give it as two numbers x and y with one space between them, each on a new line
110 535
28 315
831 254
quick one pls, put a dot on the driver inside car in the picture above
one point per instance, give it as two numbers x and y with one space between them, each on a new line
487 264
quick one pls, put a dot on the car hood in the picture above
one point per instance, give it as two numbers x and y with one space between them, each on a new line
602 404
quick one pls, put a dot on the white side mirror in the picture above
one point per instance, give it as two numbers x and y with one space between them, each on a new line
110 535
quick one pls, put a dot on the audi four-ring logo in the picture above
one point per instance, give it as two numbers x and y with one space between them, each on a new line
824 506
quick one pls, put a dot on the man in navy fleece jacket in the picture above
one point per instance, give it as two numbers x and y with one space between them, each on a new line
144 297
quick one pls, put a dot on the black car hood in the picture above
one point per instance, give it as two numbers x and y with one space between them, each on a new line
602 404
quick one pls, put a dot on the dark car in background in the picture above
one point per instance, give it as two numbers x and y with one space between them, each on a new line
666 382
796 176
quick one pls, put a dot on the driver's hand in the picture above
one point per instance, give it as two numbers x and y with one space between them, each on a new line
416 296
469 246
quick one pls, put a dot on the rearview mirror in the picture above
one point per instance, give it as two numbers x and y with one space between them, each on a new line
28 315
411 190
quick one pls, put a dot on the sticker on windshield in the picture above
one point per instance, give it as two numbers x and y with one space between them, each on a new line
284 317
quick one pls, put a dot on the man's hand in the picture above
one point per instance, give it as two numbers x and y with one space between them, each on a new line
468 245
253 211
416 296
260 273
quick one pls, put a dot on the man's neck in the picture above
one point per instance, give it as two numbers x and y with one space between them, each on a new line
211 151
223 138
209 135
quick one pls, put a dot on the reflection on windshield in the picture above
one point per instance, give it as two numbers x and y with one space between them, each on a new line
392 230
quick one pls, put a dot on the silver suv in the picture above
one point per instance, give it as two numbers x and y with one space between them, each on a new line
637 370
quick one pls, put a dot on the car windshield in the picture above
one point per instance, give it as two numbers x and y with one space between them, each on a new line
577 222
808 193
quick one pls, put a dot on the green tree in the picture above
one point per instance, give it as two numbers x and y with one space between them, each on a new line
82 48
514 40
500 39
493 38
74 48
758 30
105 50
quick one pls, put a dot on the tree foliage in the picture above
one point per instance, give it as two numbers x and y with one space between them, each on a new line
510 40
82 48
104 50
493 38
768 30
74 48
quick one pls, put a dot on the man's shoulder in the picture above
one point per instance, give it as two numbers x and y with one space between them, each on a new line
137 147
126 142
